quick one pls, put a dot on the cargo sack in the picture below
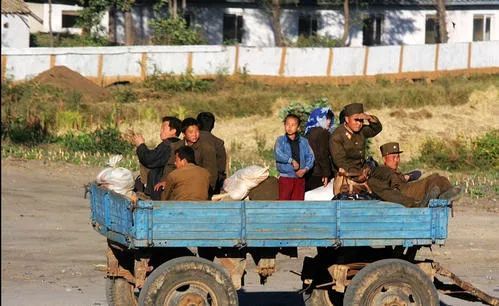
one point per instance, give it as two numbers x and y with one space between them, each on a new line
117 179
240 183
320 193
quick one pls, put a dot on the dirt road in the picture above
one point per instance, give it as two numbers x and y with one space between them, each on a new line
50 251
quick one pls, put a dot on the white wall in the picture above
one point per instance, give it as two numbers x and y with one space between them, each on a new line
125 62
15 31
42 11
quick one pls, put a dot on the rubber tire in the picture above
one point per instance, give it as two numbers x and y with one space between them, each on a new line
318 297
119 292
390 270
171 273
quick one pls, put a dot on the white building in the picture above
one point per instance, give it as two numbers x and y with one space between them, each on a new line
15 28
381 22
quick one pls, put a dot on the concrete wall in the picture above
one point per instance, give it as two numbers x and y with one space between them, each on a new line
15 31
110 64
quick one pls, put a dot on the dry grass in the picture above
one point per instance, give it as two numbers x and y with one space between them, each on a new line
409 127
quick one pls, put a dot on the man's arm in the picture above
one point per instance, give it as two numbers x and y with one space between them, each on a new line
209 162
374 127
170 184
279 154
155 158
338 152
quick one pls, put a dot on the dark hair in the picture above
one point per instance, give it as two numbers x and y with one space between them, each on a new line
342 116
292 116
206 121
189 122
186 153
330 115
173 123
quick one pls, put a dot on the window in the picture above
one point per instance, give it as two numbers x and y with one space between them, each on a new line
432 30
371 29
233 28
307 25
69 19
481 27
189 19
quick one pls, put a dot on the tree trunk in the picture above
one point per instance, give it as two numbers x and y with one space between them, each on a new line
276 23
129 28
442 22
346 25
51 37
174 9
112 24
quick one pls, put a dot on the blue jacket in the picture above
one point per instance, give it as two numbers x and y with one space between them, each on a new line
282 154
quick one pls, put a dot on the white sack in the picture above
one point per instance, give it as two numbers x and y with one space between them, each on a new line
239 184
118 179
320 193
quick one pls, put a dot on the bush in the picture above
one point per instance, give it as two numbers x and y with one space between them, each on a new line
317 41
107 140
67 40
26 131
174 31
460 154
302 110
176 83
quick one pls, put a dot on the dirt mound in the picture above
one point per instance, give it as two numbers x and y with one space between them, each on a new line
64 78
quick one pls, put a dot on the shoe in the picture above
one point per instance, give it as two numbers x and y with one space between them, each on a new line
432 194
452 194
413 175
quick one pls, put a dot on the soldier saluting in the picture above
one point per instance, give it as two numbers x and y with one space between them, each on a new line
348 142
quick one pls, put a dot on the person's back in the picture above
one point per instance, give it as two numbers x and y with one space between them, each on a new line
206 124
188 182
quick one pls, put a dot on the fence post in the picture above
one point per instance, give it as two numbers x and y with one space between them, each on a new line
189 62
52 60
100 63
401 58
366 60
437 51
330 62
469 54
4 67
236 64
143 66
283 61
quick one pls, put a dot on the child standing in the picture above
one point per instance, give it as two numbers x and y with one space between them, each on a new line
294 158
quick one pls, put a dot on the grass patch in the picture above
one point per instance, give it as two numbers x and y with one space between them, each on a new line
67 40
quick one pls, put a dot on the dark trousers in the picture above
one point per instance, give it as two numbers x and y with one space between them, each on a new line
418 189
312 182
291 188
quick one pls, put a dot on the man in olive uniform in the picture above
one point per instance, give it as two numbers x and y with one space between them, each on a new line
393 186
348 142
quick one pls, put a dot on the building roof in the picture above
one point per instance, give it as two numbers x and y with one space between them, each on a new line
15 7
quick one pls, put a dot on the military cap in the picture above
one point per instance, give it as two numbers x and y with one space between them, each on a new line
390 148
354 108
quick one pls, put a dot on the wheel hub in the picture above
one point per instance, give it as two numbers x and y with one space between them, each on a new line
394 296
192 299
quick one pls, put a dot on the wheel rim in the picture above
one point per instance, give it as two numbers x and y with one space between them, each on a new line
393 294
191 293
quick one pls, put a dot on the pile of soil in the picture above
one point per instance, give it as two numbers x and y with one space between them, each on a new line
66 79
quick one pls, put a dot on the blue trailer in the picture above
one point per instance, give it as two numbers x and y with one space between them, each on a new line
193 253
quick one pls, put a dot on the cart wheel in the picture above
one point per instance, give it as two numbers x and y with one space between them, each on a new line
119 292
323 297
188 281
391 282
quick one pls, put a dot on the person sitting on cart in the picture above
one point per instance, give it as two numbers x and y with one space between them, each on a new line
391 185
188 182
348 145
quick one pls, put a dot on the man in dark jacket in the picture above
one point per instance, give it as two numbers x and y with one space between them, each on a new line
155 159
206 124
393 186
205 155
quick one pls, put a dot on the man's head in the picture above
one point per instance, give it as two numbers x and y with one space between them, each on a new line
291 124
354 116
183 156
190 128
170 127
206 121
391 154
